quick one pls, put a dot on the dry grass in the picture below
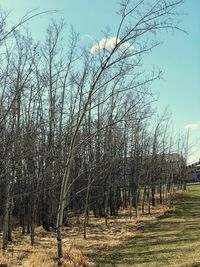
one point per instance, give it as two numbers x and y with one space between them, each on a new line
75 247
3 259
75 258
39 259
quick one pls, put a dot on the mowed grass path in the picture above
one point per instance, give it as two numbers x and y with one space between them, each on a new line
170 240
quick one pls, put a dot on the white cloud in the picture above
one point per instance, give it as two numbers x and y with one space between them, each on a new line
87 36
192 126
107 43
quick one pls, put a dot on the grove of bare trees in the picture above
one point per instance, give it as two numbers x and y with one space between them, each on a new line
79 132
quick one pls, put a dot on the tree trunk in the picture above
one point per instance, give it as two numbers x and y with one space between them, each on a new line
86 210
6 217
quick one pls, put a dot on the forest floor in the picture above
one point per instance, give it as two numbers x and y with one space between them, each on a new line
172 239
164 238
76 249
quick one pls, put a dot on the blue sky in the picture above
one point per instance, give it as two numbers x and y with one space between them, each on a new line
178 56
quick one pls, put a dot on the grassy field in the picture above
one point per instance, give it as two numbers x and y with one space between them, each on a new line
172 239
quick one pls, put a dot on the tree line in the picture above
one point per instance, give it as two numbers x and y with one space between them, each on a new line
79 131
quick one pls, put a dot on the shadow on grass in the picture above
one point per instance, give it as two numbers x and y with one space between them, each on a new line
169 240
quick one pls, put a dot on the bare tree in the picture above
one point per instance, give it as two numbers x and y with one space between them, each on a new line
120 60
76 124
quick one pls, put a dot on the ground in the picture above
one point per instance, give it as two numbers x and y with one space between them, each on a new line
167 238
172 239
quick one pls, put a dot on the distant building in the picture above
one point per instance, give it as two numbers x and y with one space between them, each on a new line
193 172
